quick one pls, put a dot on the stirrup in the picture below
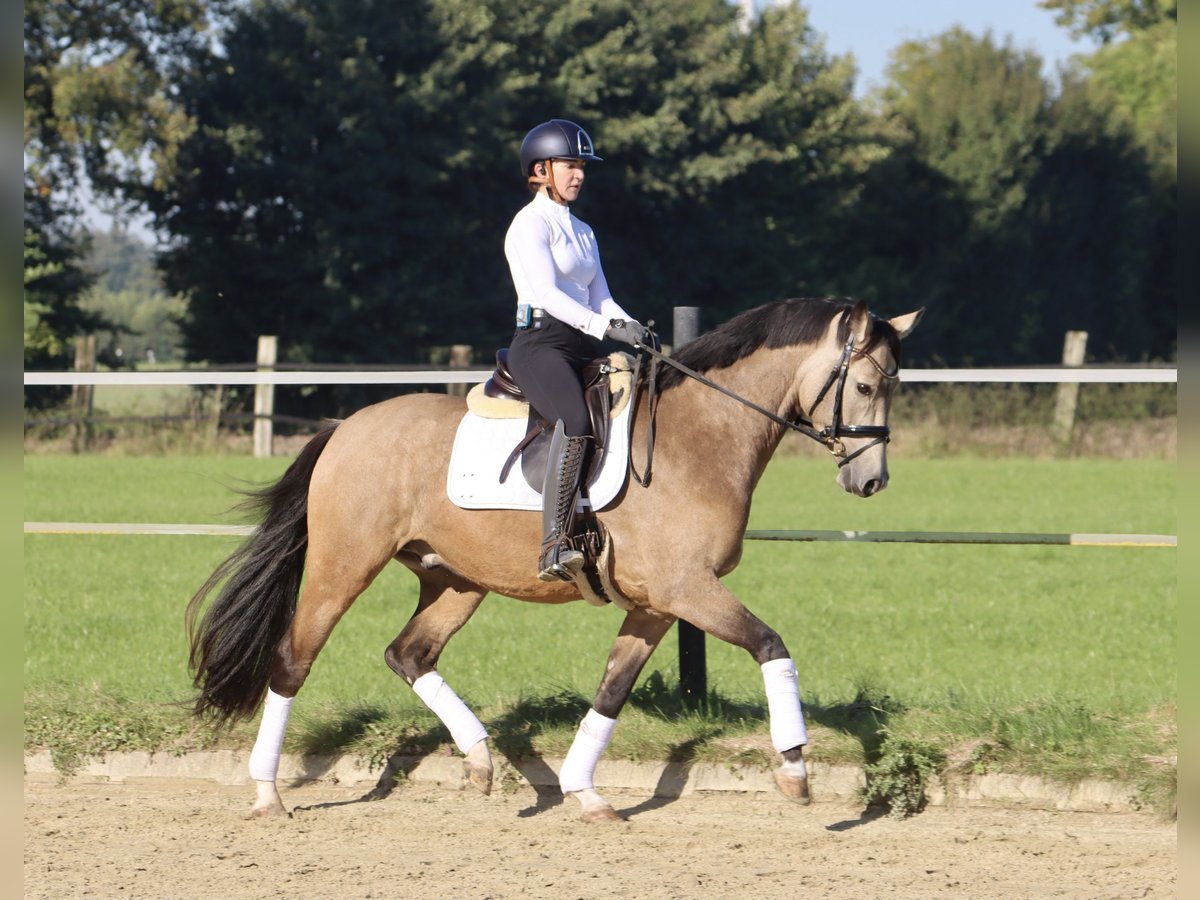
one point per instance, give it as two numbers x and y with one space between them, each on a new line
559 561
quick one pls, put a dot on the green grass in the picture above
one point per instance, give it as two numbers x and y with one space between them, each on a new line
143 400
141 488
1053 660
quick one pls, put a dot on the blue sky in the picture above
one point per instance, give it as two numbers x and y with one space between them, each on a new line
871 29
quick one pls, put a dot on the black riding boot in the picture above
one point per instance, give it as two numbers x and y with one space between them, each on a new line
564 466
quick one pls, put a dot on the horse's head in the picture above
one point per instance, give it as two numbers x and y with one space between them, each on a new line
845 393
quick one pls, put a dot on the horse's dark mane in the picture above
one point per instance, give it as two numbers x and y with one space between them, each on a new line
783 323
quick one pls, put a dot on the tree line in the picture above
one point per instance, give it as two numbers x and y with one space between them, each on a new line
341 172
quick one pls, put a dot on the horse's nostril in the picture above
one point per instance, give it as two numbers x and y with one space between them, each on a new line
870 487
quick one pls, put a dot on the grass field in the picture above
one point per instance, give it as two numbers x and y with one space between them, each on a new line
1054 660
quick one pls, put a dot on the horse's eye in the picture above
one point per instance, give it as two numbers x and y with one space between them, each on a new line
864 389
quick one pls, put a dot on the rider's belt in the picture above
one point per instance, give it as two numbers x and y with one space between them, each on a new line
536 316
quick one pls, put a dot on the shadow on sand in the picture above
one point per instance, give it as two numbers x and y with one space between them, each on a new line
515 734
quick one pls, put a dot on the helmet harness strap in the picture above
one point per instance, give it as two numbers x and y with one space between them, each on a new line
548 181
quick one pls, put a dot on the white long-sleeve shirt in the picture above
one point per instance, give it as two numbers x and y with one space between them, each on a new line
555 265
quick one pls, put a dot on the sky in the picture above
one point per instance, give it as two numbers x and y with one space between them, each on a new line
871 29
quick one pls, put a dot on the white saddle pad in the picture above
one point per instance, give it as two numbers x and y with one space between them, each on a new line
482 445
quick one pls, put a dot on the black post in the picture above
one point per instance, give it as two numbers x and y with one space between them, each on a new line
693 665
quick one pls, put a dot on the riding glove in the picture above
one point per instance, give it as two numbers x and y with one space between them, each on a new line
627 331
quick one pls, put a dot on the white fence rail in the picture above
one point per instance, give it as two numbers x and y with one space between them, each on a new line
1033 375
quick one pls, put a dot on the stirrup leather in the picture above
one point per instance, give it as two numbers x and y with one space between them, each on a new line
559 560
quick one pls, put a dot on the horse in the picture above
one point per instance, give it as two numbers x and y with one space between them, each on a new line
370 489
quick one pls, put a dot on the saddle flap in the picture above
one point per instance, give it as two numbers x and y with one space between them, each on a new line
536 452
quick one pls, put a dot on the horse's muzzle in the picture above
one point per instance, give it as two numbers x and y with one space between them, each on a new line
867 486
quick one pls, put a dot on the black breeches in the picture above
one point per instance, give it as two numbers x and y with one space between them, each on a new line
546 363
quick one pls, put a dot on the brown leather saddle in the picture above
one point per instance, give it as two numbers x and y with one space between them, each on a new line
534 447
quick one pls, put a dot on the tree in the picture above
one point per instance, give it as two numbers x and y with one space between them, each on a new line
40 339
54 282
98 115
324 197
1128 89
1106 20
1092 240
128 294
1036 215
739 149
1133 75
354 166
978 113
972 119
99 90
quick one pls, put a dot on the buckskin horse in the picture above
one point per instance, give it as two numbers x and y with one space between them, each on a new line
371 488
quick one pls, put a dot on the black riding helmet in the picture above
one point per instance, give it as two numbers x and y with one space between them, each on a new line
556 139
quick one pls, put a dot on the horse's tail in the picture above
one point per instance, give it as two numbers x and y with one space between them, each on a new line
233 649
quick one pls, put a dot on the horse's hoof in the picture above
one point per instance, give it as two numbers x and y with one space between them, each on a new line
477 767
274 811
794 787
600 815
480 777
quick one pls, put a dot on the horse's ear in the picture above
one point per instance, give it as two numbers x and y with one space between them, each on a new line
860 322
905 324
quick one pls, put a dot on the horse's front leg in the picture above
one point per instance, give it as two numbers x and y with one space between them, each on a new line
639 635
712 608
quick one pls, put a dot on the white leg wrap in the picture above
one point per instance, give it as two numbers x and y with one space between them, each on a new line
264 758
465 728
595 731
783 704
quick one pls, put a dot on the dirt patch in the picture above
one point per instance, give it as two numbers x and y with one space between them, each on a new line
191 839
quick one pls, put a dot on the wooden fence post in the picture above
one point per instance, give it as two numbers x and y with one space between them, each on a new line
693 656
460 358
264 398
1067 398
82 395
214 418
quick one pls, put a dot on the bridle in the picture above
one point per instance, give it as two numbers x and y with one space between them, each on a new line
830 436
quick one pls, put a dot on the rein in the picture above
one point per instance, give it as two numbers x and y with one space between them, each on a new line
830 436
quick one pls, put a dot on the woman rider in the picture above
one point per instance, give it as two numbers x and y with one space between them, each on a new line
564 309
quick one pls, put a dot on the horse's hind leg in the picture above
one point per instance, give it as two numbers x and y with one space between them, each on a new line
446 603
640 633
329 590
